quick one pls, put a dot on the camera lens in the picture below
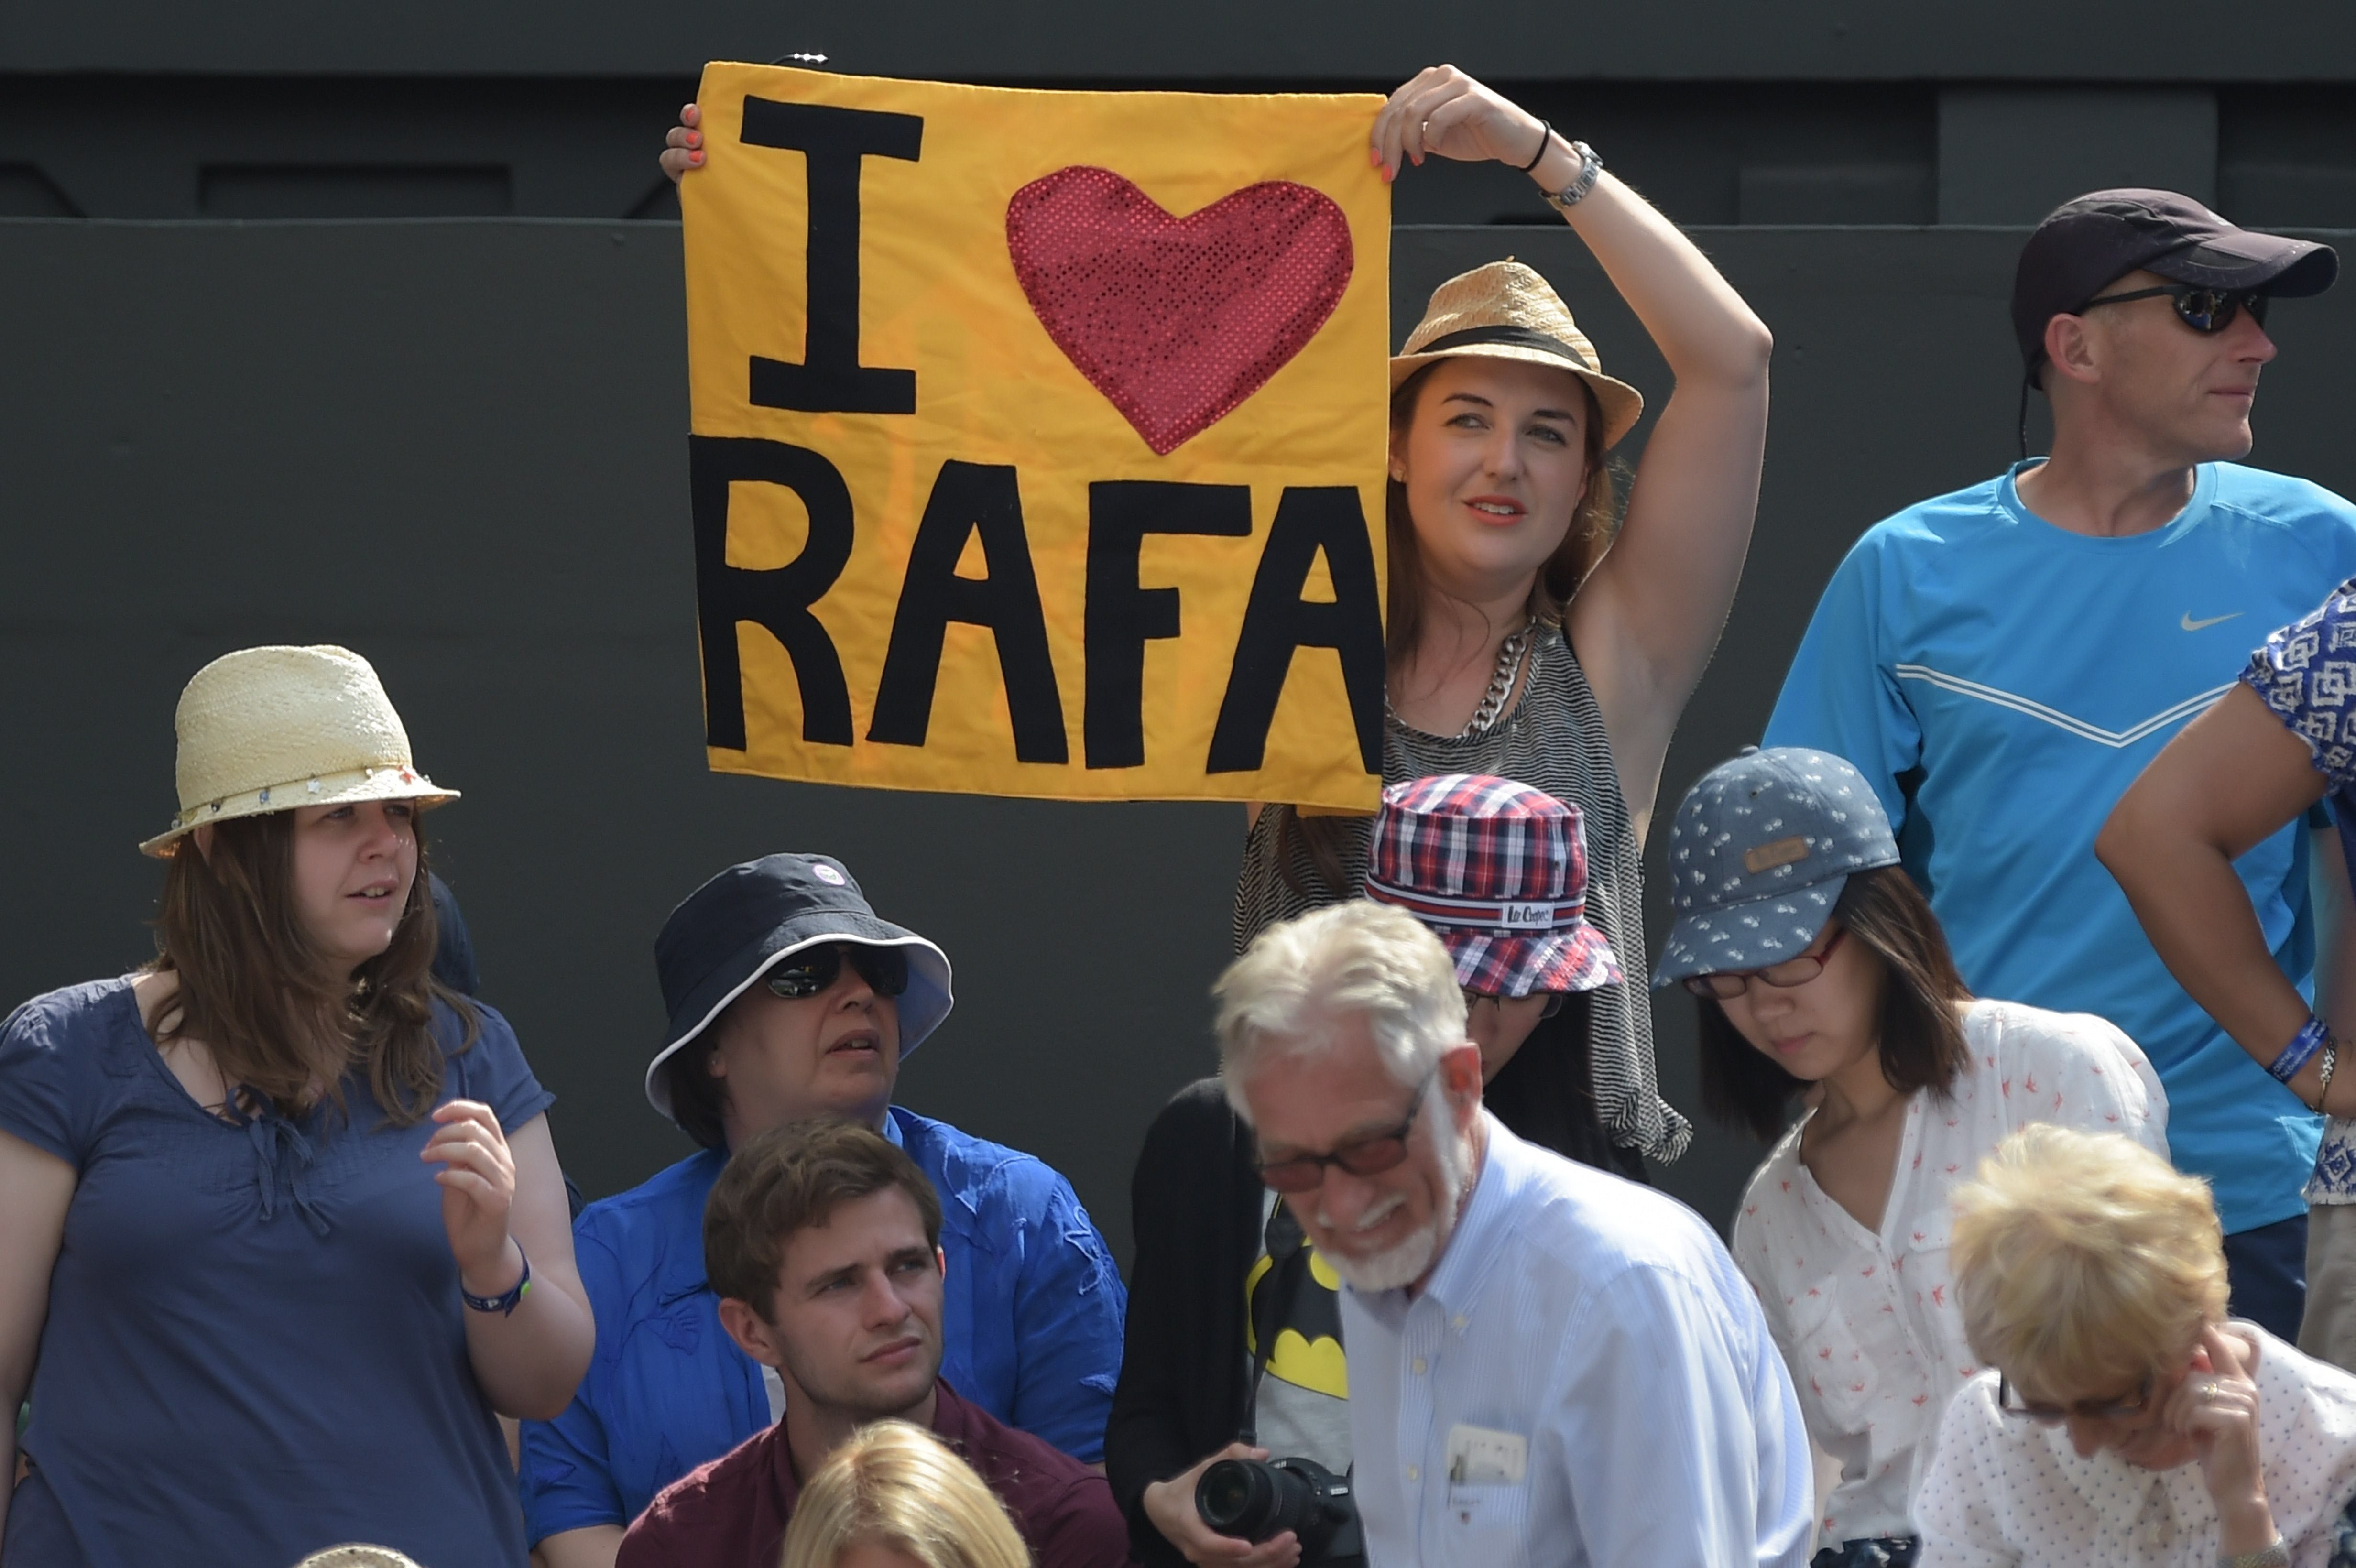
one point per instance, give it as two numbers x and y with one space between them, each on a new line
1239 1498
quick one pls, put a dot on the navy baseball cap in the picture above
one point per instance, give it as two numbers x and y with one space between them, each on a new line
2092 241
750 918
1759 852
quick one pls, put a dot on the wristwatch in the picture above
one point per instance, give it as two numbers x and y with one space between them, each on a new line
1590 169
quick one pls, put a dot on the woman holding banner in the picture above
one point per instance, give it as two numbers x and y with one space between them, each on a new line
1526 637
1532 633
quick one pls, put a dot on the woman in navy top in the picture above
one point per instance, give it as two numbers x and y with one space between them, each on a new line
280 1226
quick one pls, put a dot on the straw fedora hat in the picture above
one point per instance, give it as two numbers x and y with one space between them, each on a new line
358 1556
266 729
1504 311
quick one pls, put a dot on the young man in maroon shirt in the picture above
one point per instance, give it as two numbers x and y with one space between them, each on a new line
822 1240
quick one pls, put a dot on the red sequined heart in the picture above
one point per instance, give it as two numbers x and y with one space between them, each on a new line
1176 320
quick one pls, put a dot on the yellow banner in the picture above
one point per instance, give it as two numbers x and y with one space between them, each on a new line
1038 437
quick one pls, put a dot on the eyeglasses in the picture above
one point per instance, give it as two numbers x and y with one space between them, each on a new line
1473 998
1792 972
813 970
1369 1156
2202 310
2084 1409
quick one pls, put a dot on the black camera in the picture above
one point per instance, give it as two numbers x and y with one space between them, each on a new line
1258 1498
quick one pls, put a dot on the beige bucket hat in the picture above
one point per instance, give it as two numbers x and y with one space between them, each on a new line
1504 311
271 728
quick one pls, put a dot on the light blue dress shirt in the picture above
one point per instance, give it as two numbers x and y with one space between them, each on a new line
1604 1326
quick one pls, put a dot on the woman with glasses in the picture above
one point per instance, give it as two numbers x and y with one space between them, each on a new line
2121 1418
1824 981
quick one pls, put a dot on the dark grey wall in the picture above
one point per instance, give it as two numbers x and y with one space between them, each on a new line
458 446
1055 41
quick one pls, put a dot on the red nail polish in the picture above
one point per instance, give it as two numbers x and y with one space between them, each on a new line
695 157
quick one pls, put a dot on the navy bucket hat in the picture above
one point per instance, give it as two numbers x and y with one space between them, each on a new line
750 918
1759 852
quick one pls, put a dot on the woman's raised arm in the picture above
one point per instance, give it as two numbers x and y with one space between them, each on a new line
1645 622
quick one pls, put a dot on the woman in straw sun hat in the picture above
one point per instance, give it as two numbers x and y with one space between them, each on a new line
281 1225
1527 640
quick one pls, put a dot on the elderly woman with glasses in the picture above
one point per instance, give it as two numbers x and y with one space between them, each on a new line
1823 979
2122 1419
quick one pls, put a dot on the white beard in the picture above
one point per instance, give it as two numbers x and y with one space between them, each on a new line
1412 1258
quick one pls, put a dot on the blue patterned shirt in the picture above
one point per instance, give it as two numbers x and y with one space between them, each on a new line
2307 674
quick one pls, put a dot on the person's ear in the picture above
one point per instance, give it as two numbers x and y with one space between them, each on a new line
2070 349
752 1336
203 839
941 1262
1459 1072
1399 455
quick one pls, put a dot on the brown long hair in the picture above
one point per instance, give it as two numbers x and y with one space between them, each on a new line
257 991
1921 1040
1593 525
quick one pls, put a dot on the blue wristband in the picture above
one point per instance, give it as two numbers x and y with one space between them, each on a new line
504 1306
2301 1049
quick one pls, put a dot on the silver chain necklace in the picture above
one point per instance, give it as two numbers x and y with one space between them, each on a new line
1501 686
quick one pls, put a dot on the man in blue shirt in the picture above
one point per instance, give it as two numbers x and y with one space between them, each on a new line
790 1000
1547 1363
2001 662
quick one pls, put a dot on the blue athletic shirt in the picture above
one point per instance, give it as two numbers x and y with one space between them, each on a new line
256 1348
2001 681
1030 1327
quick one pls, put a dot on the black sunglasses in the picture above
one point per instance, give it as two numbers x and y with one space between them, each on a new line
1369 1155
812 970
2202 310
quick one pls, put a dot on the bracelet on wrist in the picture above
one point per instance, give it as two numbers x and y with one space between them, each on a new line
507 1301
2327 1063
1591 169
1546 140
2275 1556
2301 1049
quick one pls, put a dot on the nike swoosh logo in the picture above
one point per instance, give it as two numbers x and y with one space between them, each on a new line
2189 624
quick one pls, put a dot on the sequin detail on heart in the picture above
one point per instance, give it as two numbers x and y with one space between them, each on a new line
1176 320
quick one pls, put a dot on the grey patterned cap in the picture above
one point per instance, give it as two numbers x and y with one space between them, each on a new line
1759 852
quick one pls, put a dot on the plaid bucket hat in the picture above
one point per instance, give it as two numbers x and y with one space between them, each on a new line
1498 871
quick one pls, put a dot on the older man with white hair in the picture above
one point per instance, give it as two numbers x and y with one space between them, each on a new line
1547 1363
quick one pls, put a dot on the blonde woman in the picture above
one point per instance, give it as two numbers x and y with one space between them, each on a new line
896 1497
2122 1419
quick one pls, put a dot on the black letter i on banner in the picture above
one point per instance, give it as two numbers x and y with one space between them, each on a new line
830 380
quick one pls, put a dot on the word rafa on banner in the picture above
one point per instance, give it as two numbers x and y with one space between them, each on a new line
1038 439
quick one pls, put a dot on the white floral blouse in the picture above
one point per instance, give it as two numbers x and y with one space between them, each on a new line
1868 1323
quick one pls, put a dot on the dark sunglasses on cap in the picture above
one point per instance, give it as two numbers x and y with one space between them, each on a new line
2202 310
1369 1156
814 969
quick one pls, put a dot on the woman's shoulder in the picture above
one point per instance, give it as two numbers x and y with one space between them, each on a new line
73 1017
2004 1034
